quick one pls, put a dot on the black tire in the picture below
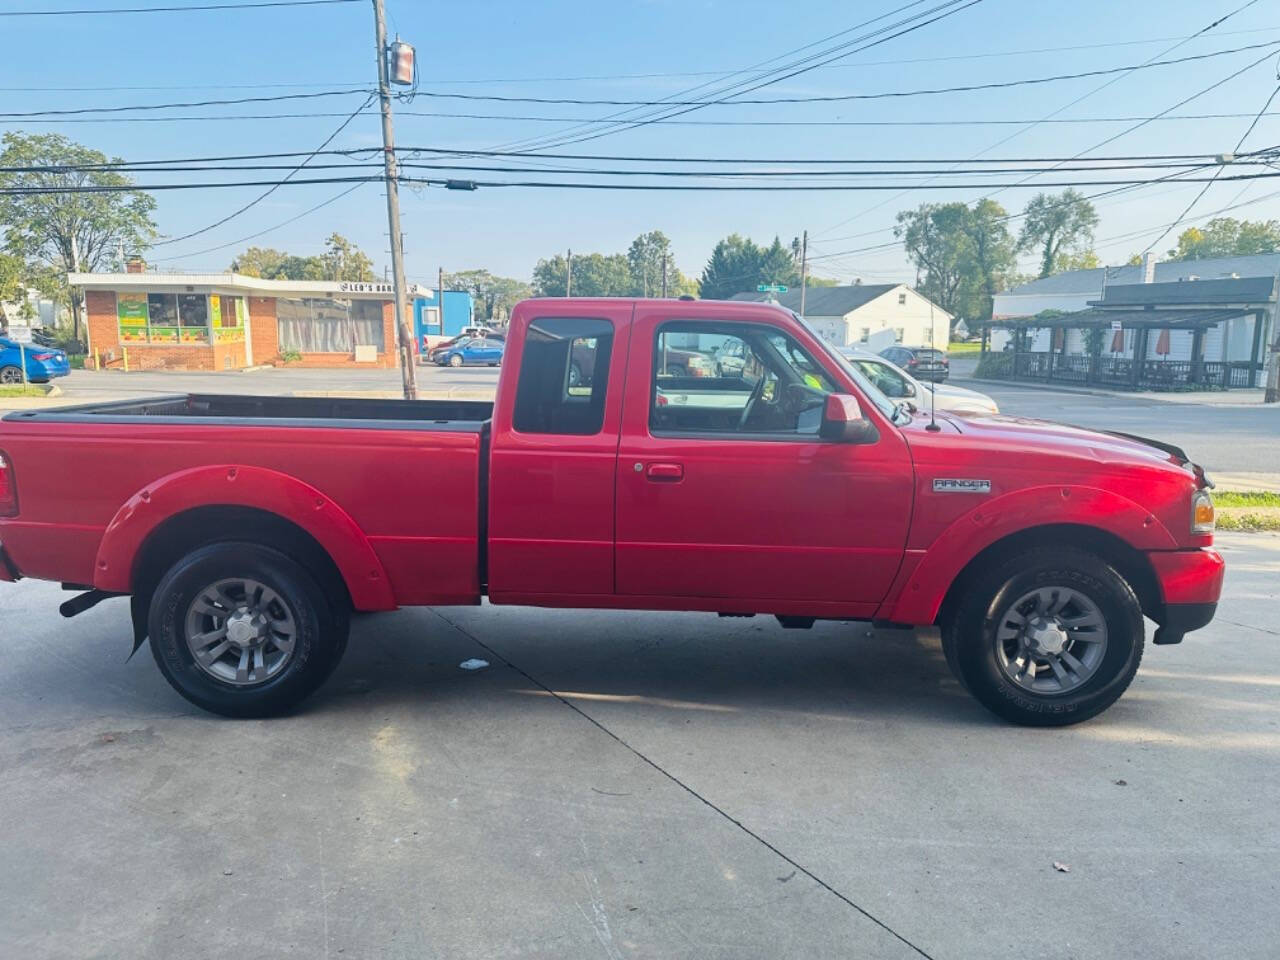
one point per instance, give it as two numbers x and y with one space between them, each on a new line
969 635
10 375
321 629
676 370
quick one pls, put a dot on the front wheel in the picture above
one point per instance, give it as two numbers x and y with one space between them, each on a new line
243 630
455 361
1048 637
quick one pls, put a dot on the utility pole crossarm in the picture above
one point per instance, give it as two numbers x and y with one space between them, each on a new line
403 339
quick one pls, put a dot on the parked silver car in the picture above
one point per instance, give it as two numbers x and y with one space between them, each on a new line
895 382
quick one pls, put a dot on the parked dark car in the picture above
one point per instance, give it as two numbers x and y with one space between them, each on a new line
923 363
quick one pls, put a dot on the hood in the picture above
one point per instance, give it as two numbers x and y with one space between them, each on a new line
1044 438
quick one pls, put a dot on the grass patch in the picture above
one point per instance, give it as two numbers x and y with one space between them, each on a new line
957 348
1249 520
1249 498
19 390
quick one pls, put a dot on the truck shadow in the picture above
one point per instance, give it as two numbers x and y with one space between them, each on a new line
666 661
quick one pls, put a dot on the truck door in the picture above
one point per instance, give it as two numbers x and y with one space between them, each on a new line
725 489
555 450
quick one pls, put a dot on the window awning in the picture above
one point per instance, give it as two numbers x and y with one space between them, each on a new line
1131 319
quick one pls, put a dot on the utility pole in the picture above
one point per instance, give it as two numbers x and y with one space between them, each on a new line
664 276
1272 394
804 269
568 274
75 291
408 373
440 290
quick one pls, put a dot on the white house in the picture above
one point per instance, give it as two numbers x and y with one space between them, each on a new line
1073 291
846 315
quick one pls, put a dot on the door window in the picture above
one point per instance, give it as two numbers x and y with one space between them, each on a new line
563 374
734 379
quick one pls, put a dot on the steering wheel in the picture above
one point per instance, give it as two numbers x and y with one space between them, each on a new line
756 392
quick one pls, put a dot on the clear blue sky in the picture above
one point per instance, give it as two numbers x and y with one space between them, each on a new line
495 47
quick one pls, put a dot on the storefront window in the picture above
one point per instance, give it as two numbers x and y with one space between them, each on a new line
227 316
162 326
327 325
168 318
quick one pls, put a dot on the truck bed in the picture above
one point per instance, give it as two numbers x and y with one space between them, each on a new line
400 479
294 411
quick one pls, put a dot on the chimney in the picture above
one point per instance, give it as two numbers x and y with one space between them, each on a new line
1149 267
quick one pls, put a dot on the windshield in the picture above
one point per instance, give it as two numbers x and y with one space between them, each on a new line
870 390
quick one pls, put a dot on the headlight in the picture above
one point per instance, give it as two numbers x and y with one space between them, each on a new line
1201 513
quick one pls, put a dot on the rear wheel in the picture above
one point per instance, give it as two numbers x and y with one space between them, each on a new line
1048 637
10 374
242 630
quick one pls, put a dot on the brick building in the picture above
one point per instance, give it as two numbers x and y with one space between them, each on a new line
225 321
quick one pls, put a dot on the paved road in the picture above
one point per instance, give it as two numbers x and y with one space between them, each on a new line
695 788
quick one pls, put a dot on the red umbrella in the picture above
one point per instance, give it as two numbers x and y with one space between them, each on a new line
1117 342
1162 344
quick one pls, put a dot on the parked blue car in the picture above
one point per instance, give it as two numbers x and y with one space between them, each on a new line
43 363
471 352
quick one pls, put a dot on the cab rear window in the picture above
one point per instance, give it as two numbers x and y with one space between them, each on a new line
564 372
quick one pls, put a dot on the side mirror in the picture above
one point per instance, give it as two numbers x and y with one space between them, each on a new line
908 389
843 422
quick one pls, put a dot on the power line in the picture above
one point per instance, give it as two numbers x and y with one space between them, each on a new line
992 54
258 199
1262 155
190 103
1205 189
1079 99
621 119
184 9
253 236
840 98
992 122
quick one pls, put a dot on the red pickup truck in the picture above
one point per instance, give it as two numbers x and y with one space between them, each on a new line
246 530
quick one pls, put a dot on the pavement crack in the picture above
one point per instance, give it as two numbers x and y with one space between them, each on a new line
688 789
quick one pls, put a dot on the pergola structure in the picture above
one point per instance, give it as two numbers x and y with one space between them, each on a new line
1166 308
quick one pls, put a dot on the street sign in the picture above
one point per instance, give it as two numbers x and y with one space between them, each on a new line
1115 325
20 333
771 288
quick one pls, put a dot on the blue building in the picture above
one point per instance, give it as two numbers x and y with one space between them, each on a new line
426 315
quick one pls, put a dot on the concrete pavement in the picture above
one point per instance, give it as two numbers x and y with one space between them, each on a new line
637 785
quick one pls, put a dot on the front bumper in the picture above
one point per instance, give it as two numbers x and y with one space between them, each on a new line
1190 586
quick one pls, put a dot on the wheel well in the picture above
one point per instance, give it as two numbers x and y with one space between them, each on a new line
1129 562
192 529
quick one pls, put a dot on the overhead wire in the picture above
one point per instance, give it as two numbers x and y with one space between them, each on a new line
621 119
258 199
846 97
189 8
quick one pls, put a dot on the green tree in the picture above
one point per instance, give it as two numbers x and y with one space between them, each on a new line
58 230
343 260
271 264
937 241
493 296
1057 226
990 258
738 265
1227 237
594 275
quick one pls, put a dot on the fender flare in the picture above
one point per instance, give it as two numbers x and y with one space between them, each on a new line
918 593
243 486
